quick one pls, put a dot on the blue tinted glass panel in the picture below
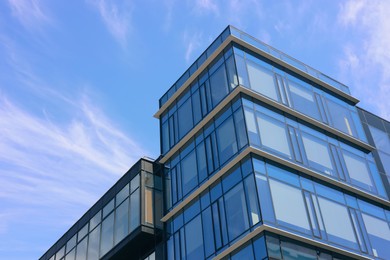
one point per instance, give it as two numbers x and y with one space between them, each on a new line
236 211
303 100
265 198
381 139
107 238
244 253
379 234
333 214
122 221
189 172
208 232
273 135
226 138
251 127
185 119
341 118
219 86
317 153
93 244
262 80
292 251
194 239
358 171
289 206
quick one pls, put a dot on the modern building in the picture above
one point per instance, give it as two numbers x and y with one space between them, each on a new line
262 157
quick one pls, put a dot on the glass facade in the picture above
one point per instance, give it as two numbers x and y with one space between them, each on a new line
262 157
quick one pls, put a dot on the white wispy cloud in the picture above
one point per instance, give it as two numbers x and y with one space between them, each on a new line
206 6
192 42
30 13
368 62
117 18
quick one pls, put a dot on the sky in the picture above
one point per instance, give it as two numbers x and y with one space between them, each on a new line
80 82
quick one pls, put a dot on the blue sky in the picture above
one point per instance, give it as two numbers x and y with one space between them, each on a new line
80 81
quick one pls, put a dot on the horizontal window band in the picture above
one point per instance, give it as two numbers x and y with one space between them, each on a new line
385 203
240 89
290 235
232 38
188 82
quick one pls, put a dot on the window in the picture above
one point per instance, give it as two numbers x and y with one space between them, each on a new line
107 239
341 118
149 205
185 120
134 210
93 245
303 100
381 139
317 153
379 234
337 223
219 86
244 253
208 231
122 221
251 127
189 172
226 138
262 80
273 135
194 239
292 251
358 171
236 211
289 206
82 250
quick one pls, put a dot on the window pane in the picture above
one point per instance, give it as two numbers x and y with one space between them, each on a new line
236 212
240 128
82 249
93 244
379 234
184 120
293 251
317 153
219 86
196 106
135 210
189 172
337 223
194 239
251 127
381 139
122 221
123 194
253 200
107 240
202 161
385 159
227 142
273 135
358 171
303 100
262 80
165 137
341 118
244 253
208 231
289 206
134 184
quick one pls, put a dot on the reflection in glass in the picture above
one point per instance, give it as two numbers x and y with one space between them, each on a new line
303 100
317 153
262 80
236 211
273 134
107 239
379 234
194 239
333 214
226 139
93 244
122 221
289 206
